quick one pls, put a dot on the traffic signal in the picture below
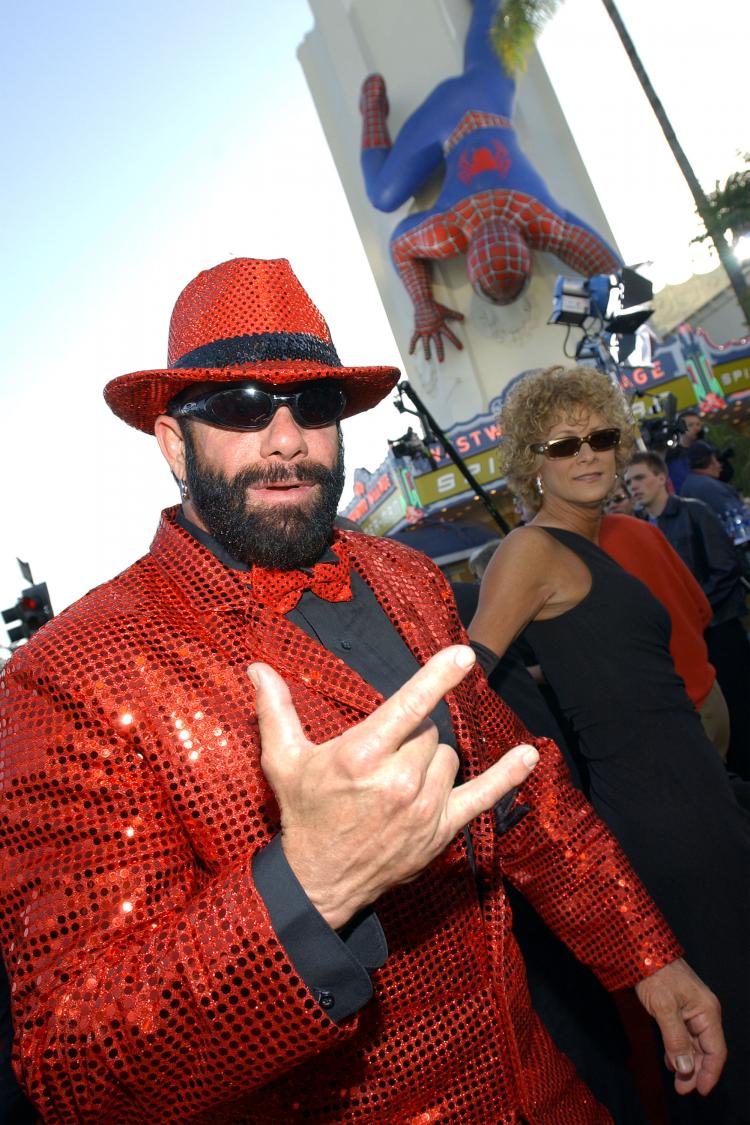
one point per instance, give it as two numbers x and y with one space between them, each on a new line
32 610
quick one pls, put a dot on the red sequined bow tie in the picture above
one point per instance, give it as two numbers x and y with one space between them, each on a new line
280 590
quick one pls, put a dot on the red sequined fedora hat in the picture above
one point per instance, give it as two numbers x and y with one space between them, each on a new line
244 319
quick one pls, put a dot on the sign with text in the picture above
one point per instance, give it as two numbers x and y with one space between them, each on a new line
385 517
734 377
444 483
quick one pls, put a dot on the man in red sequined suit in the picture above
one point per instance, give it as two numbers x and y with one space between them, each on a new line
262 898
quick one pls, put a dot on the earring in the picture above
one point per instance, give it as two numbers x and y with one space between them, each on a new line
539 487
184 490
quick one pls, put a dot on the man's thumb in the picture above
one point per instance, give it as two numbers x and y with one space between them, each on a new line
277 719
678 1047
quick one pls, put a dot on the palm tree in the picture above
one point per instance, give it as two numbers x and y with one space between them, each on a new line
703 206
730 203
516 27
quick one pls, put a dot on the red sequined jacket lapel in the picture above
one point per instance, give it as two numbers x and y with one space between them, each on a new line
223 603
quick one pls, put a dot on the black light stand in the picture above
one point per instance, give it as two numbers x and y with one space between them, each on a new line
430 425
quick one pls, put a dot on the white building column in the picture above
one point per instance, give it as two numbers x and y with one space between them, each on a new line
415 44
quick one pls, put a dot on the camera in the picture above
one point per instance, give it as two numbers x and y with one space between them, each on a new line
661 433
658 434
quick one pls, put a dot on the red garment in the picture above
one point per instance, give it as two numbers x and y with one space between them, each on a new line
281 590
641 549
149 986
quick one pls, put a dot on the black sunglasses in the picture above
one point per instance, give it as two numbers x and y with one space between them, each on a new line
600 441
251 406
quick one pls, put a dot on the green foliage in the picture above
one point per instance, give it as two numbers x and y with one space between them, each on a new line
724 436
729 205
515 29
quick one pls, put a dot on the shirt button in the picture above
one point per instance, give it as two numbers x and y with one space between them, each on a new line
346 645
326 1000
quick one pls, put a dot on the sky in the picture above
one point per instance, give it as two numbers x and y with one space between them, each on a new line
149 139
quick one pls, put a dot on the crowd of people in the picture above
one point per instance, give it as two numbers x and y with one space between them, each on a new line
694 529
275 835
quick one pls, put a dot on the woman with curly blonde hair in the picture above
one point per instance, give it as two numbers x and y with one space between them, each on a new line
602 641
538 401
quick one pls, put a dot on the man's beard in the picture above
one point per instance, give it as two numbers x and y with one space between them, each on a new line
285 536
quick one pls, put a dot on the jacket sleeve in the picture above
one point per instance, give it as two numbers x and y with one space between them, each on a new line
566 862
684 577
719 563
145 987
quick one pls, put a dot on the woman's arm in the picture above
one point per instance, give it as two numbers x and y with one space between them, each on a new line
519 582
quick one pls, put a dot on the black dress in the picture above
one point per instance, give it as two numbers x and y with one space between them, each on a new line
657 781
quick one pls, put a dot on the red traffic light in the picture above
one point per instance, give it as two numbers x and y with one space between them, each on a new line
32 610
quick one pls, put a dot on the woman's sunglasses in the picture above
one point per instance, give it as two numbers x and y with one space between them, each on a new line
251 406
600 441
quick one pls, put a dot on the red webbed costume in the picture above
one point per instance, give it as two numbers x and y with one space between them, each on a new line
148 983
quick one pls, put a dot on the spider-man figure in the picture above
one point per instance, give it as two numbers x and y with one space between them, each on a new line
494 206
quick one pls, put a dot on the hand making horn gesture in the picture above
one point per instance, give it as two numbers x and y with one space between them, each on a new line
374 806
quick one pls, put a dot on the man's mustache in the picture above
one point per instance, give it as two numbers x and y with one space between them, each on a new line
311 472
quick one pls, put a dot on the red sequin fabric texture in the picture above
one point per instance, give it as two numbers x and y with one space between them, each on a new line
148 985
280 590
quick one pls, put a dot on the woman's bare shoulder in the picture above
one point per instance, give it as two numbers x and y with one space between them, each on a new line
525 559
517 584
528 542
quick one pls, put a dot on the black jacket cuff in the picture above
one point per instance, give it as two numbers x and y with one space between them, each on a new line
333 965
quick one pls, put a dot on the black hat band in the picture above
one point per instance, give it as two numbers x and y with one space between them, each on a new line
263 347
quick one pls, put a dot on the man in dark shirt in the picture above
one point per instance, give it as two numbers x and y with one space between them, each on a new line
236 899
697 536
703 482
